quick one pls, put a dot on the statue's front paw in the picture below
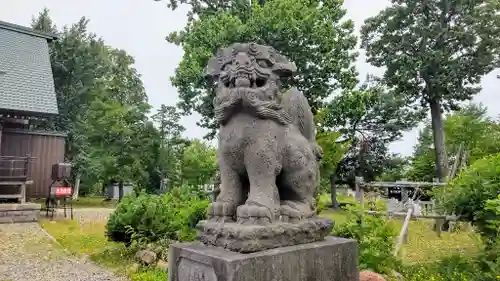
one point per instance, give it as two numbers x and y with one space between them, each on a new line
253 214
289 214
220 212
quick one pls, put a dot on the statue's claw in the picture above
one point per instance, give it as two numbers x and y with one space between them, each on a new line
289 214
220 212
253 214
294 211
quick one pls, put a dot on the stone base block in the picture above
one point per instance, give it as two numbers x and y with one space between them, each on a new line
333 259
15 213
253 238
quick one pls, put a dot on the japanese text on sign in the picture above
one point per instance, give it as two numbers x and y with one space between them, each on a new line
63 191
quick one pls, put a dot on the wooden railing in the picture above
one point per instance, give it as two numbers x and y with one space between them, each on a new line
15 168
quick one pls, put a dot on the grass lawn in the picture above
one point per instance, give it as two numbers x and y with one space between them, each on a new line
423 243
425 246
88 240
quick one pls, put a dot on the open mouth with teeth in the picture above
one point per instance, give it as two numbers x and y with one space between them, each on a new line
244 80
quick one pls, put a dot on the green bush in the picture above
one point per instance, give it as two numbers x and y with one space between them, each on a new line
150 275
467 195
149 218
320 203
376 239
492 249
492 208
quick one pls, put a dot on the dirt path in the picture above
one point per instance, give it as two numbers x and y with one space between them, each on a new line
87 214
27 254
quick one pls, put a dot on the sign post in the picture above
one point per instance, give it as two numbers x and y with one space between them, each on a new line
60 189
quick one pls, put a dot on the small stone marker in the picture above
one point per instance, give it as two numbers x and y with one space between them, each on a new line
146 257
370 276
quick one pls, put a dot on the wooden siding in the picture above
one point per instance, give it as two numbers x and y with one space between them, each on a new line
46 147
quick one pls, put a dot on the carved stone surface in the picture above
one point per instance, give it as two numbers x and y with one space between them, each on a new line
190 270
327 260
253 238
267 153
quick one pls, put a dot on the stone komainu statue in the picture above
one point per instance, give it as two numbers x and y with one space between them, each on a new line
268 163
267 153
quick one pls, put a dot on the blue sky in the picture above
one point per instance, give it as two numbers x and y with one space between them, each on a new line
140 27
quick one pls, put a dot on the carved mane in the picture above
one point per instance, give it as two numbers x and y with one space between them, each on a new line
293 109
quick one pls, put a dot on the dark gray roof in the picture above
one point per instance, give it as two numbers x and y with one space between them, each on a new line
26 81
35 132
27 30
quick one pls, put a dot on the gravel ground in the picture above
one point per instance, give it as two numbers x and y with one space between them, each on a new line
27 254
85 214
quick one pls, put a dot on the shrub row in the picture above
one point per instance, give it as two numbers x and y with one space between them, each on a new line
149 218
376 239
472 196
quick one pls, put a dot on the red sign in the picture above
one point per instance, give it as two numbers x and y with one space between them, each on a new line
63 191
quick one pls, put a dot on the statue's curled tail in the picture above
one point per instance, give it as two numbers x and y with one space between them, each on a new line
295 104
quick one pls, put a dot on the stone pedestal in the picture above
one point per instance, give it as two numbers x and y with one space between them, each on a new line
254 238
333 259
16 213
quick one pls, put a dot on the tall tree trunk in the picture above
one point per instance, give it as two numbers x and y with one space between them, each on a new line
439 139
76 191
335 203
363 148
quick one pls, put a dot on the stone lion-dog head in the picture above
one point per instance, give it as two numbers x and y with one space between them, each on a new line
248 79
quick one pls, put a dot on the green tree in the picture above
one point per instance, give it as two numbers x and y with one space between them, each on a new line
396 168
334 148
313 34
124 83
333 151
371 117
43 22
470 128
167 120
372 111
151 157
125 97
199 164
422 167
435 52
475 130
112 129
79 61
91 77
116 120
